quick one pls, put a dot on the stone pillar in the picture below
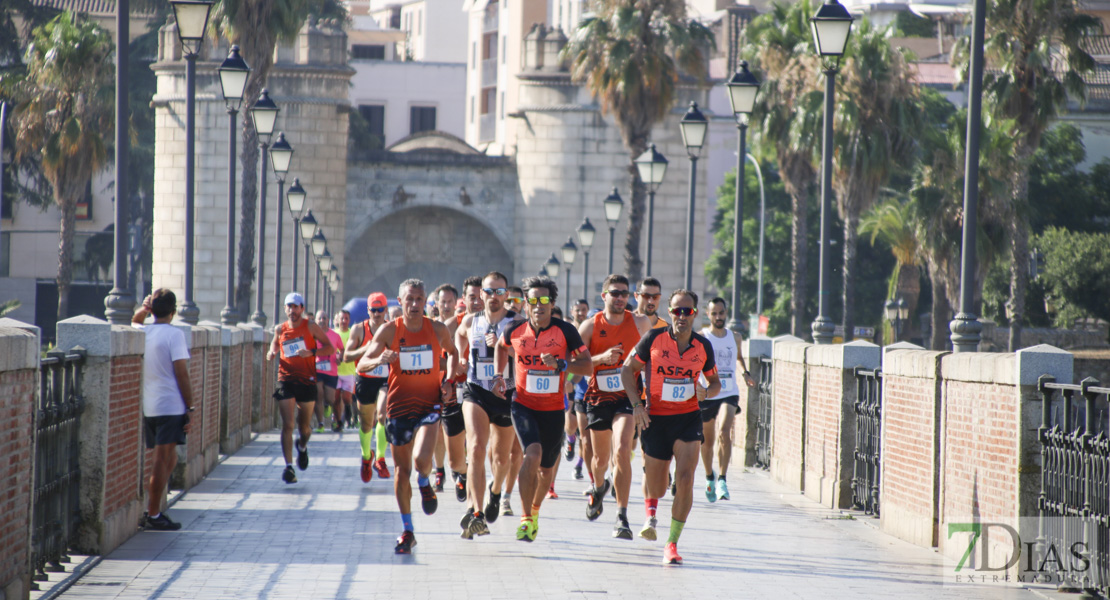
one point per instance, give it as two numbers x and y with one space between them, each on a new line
788 411
745 425
112 489
258 338
234 428
19 369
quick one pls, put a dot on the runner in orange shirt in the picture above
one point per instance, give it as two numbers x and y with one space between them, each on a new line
647 301
368 385
670 427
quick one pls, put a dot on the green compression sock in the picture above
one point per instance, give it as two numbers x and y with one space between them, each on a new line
366 441
379 432
676 531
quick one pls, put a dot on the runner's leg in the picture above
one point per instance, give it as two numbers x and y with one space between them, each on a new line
288 410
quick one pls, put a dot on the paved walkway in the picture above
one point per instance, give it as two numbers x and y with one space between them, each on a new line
248 535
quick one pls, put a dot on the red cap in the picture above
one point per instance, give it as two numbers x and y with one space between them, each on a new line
460 304
377 300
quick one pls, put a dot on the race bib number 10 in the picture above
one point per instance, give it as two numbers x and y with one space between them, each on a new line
677 390
416 358
609 380
485 368
542 382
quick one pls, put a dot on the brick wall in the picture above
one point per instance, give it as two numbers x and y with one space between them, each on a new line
787 429
823 428
246 368
121 477
17 402
235 391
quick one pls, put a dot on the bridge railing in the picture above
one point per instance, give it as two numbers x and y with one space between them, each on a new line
868 452
764 414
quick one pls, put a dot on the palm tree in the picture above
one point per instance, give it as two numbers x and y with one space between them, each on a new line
892 221
66 106
779 44
630 55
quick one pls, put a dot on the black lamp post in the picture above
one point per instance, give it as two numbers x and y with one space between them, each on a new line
551 267
652 167
264 112
120 302
831 26
308 229
192 20
570 252
586 234
233 82
281 154
319 245
742 89
898 313
333 283
613 207
694 126
325 272
296 199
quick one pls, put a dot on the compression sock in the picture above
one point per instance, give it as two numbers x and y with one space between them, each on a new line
379 437
406 521
650 506
365 439
676 531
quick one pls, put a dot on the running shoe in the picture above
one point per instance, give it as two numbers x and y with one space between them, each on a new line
405 543
578 472
670 554
621 530
648 532
289 475
367 470
569 452
527 530
319 428
674 486
710 491
336 427
302 456
551 492
439 481
594 506
493 505
722 490
465 520
506 507
379 466
428 500
460 487
476 526
162 523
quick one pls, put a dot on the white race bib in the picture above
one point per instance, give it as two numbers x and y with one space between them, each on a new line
542 382
290 348
609 380
677 390
381 370
323 364
485 368
417 358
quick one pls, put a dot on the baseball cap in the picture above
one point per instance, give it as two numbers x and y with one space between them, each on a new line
376 300
294 298
461 303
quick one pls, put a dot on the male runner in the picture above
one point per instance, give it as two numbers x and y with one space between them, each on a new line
446 297
544 349
647 299
717 426
580 311
297 343
367 386
346 384
611 335
452 442
411 347
670 427
327 377
515 300
487 416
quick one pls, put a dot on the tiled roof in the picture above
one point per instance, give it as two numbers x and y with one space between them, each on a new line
88 7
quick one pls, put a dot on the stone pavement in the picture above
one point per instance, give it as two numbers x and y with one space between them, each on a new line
248 535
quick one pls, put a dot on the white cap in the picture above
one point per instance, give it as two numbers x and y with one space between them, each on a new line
294 298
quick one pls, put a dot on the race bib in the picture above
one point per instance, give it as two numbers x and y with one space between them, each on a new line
677 390
542 382
381 370
323 364
290 348
485 368
609 380
417 358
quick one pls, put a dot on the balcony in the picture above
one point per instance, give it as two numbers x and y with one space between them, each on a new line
489 21
489 72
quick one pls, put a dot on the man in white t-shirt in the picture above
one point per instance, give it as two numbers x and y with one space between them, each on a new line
167 398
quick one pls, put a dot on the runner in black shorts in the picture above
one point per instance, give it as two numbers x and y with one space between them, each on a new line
367 387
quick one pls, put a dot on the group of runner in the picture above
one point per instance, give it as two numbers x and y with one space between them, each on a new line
497 371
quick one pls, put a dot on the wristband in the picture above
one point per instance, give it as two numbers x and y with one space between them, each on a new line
314 352
560 365
747 374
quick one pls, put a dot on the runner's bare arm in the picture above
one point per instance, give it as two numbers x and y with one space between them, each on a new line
714 387
462 338
273 352
581 363
445 337
643 323
377 352
351 352
630 374
748 379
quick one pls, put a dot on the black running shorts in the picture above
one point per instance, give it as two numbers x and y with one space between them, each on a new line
367 388
600 416
661 434
167 429
497 409
302 392
453 422
400 432
710 408
543 427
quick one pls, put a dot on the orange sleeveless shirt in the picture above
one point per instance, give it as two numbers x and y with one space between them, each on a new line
605 385
290 366
414 380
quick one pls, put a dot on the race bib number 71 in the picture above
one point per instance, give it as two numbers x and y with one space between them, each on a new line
416 358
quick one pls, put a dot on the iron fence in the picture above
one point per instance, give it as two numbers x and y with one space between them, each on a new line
763 415
1075 479
868 454
55 510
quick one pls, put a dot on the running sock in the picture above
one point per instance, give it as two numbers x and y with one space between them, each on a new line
676 531
379 436
152 517
722 477
710 476
406 521
650 506
535 512
421 480
442 472
579 463
571 439
365 439
622 511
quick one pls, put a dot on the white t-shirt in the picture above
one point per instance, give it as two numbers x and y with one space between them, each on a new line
164 345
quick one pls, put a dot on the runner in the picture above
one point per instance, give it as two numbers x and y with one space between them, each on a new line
611 335
487 416
327 378
717 425
367 386
452 442
297 343
515 300
671 359
446 298
647 300
411 346
543 349
581 311
346 385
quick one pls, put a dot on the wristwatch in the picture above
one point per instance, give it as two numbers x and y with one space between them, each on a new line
560 365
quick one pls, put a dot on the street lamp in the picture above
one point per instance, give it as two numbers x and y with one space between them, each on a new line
742 89
694 126
233 83
551 267
281 154
897 312
586 234
120 302
831 26
319 247
324 262
570 252
295 198
762 223
613 207
191 17
308 228
652 167
264 113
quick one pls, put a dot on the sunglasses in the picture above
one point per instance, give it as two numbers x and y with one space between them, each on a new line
545 300
683 311
494 291
617 293
516 299
377 310
650 296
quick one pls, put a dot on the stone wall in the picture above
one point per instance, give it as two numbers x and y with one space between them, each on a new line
744 427
19 365
788 418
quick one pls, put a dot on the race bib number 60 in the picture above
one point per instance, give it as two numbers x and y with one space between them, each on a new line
542 382
677 390
416 358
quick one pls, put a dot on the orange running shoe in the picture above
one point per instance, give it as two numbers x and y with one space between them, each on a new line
379 466
551 492
670 555
367 470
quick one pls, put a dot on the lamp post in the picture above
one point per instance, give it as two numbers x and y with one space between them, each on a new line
264 113
192 19
742 89
551 267
694 126
762 223
319 246
586 234
613 207
308 229
233 82
325 271
570 252
897 312
652 167
333 281
831 26
295 197
281 154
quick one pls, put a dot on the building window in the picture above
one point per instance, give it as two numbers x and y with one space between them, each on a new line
489 98
374 114
368 52
504 48
489 47
422 118
474 55
502 105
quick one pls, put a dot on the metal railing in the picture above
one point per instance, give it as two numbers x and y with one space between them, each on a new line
868 454
1075 479
55 509
764 414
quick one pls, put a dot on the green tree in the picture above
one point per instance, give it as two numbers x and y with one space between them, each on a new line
630 54
1059 193
892 222
1076 274
64 113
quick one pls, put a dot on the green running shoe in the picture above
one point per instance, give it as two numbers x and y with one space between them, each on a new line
710 490
527 530
722 490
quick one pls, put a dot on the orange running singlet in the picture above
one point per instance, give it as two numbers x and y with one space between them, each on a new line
291 367
670 375
605 385
414 380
